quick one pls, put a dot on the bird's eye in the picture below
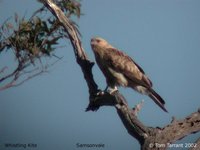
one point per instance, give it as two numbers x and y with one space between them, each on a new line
98 40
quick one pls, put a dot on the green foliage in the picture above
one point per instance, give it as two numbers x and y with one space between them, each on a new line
35 37
32 39
70 7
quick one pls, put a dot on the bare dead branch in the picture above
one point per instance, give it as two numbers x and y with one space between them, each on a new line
174 131
17 74
18 69
36 12
81 57
181 128
14 83
138 108
145 135
3 69
195 145
30 77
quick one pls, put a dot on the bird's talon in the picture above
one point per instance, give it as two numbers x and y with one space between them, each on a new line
111 90
100 93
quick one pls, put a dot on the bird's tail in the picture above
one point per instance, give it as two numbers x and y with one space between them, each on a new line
157 99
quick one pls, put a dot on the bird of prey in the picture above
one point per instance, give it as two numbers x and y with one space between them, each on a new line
121 70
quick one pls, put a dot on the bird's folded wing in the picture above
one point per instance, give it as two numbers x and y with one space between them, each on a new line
122 63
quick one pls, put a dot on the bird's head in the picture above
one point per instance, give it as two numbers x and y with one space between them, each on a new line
99 42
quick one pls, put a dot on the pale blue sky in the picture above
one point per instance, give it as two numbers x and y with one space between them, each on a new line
163 37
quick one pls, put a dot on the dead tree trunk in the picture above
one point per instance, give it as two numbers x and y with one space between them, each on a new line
148 137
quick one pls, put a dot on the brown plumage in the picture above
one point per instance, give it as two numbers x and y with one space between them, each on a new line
120 70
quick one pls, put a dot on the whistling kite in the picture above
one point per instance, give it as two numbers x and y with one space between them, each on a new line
120 70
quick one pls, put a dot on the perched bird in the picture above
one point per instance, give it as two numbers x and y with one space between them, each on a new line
120 70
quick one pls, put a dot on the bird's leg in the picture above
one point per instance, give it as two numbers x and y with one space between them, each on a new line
110 89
